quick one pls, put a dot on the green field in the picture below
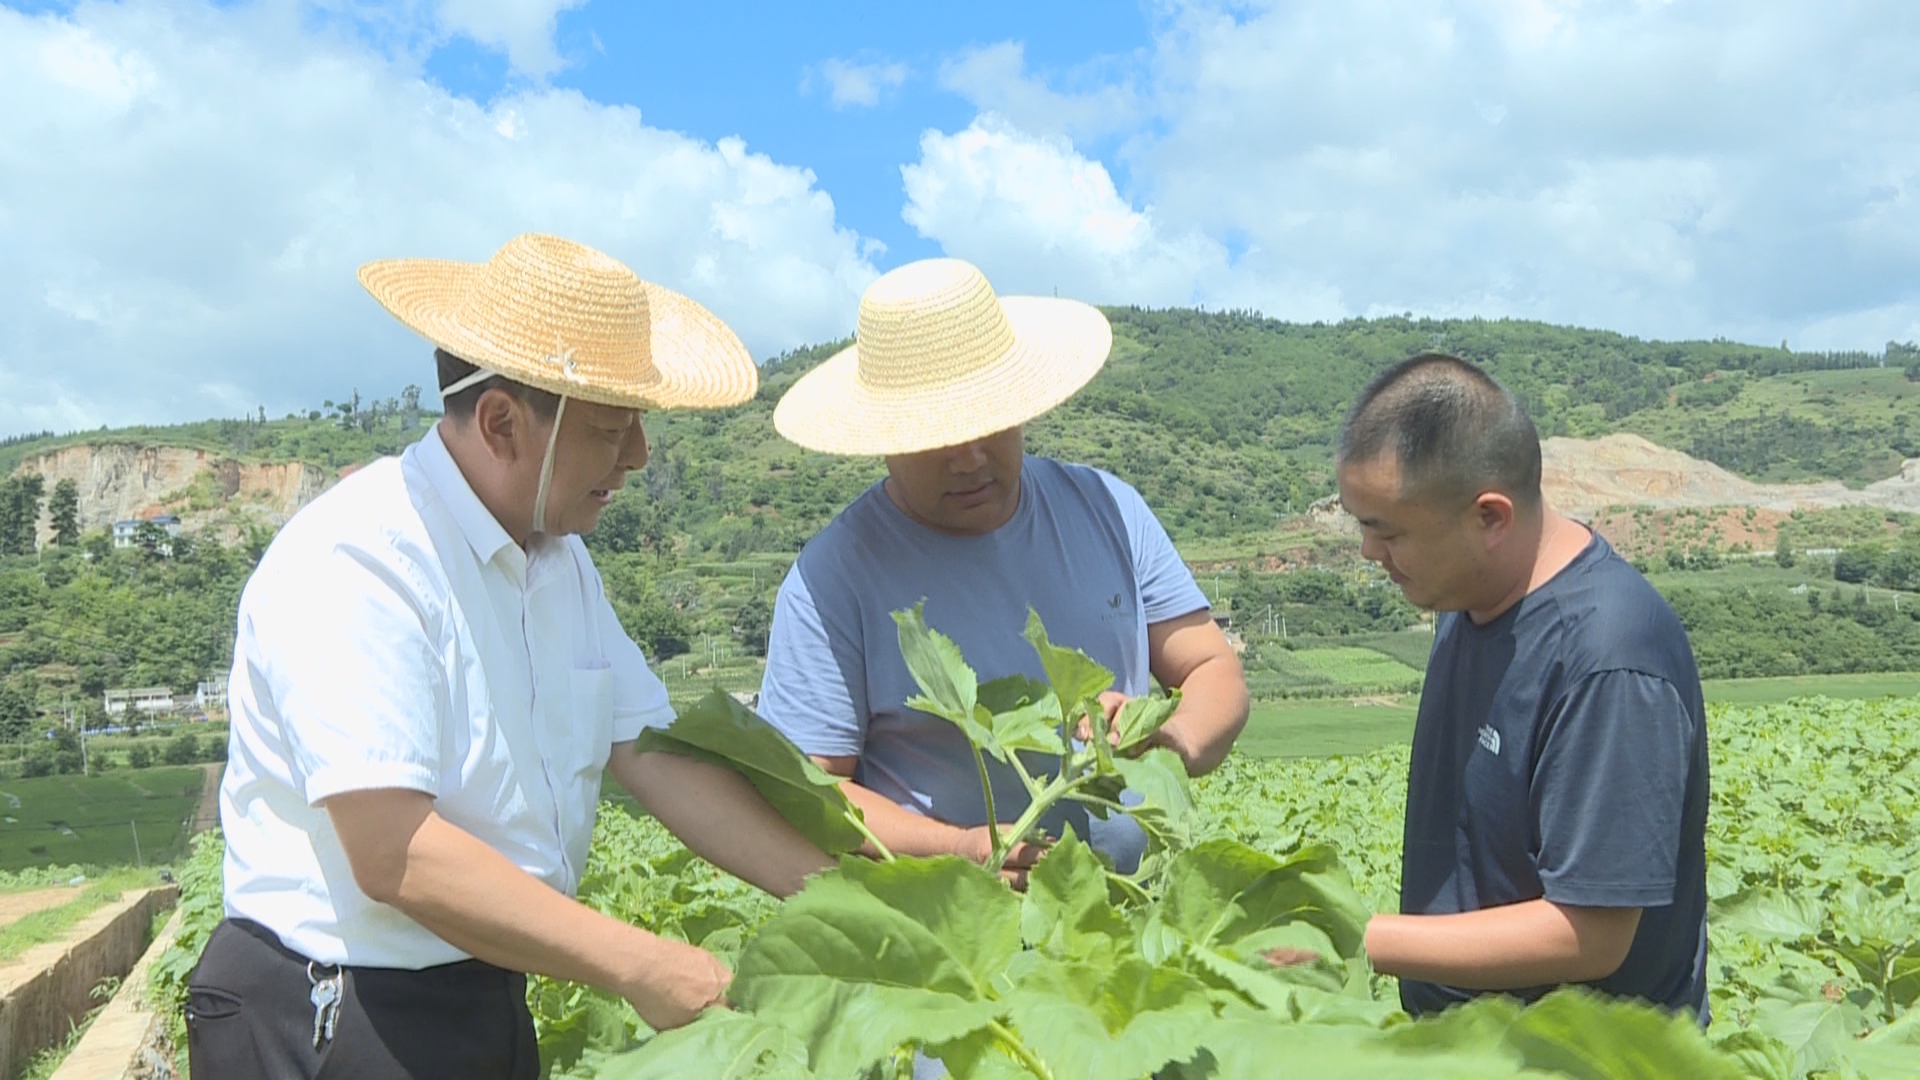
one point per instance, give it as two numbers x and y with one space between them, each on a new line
1290 729
1774 691
1321 728
92 820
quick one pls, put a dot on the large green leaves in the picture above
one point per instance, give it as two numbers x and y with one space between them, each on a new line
1125 1019
1000 717
1067 915
721 730
874 955
1227 897
721 1045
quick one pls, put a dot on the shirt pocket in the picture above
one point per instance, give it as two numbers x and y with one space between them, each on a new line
592 718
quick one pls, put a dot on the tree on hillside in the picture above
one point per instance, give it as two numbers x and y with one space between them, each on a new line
1855 564
17 712
65 510
754 624
20 512
1783 556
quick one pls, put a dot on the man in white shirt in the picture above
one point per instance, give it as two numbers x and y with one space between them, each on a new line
428 683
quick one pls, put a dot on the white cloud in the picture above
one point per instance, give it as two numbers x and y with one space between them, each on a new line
995 80
186 191
1718 168
1038 217
523 29
855 84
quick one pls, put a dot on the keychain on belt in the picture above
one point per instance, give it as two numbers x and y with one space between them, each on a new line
325 995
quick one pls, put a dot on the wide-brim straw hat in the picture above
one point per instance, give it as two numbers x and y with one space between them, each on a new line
562 317
939 360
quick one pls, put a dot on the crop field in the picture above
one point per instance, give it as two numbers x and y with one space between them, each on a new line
94 820
1814 964
1326 671
1323 727
1773 691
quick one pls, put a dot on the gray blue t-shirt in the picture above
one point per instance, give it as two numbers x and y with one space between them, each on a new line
1082 549
1561 752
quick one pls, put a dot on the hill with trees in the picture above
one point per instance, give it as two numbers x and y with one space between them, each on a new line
1223 420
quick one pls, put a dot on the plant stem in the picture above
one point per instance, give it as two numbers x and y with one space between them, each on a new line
860 823
1042 803
1000 846
1019 1050
1129 886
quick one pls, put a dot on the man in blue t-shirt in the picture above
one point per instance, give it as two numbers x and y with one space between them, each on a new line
1557 796
942 379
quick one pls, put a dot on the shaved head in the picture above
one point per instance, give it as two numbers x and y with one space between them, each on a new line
1453 431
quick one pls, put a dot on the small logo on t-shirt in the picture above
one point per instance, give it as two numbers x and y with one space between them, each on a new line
1115 602
1490 739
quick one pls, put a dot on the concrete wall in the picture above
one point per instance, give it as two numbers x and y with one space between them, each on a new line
48 989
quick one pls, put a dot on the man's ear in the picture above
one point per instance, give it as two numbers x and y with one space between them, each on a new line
501 421
1495 513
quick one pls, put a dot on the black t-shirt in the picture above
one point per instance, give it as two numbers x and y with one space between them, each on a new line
1561 752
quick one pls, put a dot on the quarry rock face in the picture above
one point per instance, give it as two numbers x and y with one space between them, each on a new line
211 493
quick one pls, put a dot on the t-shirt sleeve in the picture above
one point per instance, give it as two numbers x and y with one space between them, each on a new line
1609 792
639 697
808 691
1167 588
345 652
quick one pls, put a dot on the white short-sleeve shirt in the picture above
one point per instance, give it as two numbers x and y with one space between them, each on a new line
394 636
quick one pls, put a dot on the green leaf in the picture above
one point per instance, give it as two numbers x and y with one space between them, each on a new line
720 730
722 1045
1076 677
1757 1055
1127 1019
1817 1032
1768 913
1240 1048
948 687
1222 892
1022 713
1067 914
1891 1053
1583 1035
874 955
1140 717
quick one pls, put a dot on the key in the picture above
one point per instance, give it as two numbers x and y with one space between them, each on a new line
325 996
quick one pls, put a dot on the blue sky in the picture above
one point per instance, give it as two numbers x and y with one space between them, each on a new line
187 186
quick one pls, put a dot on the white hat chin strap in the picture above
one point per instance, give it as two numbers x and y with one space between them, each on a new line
481 375
546 470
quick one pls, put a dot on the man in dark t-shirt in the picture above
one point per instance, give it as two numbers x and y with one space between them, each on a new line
1557 796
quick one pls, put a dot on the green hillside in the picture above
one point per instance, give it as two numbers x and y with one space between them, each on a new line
1224 420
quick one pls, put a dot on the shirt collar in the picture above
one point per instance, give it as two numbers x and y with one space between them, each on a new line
483 531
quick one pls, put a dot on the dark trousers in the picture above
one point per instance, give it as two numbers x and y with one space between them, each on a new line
249 1015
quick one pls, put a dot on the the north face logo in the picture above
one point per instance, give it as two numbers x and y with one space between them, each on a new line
1490 739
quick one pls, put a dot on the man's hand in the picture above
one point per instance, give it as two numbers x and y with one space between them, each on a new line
681 983
976 845
405 854
1111 702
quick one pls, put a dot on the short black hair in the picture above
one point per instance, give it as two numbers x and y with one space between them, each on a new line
460 406
1452 428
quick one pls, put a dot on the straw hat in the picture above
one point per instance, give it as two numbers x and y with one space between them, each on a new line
565 318
939 360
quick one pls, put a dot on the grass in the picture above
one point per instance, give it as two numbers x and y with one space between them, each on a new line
1773 691
51 924
1324 728
60 820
